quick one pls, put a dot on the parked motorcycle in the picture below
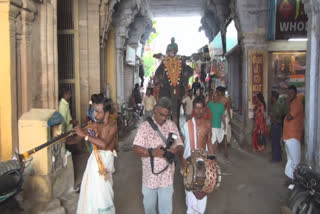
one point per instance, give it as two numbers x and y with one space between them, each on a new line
138 108
127 119
11 178
305 197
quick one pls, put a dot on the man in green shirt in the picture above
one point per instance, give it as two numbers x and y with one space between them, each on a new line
218 116
67 125
64 110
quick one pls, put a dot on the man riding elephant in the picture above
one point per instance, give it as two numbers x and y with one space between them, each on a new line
171 78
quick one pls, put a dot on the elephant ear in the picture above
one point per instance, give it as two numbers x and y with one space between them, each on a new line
159 74
187 72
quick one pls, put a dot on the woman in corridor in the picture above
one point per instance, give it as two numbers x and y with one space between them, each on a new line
259 122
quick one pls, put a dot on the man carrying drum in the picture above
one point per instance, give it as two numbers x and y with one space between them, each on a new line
197 134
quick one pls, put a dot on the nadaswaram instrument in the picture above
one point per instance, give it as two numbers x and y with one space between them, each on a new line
54 140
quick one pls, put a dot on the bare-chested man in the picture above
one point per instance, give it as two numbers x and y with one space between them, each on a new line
96 195
202 141
227 105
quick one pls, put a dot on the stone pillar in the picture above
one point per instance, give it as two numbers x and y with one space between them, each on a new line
312 101
94 46
119 66
27 18
250 43
122 18
110 64
83 56
49 54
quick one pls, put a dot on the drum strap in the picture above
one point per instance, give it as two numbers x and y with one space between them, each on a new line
156 128
191 134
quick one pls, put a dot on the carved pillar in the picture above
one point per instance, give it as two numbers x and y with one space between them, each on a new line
26 60
106 11
312 101
120 64
49 55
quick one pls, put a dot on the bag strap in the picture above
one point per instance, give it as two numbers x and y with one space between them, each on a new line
156 128
191 133
152 167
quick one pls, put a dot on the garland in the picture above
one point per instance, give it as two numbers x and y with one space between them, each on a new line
173 69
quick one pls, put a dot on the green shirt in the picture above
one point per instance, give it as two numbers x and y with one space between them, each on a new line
277 113
217 110
64 110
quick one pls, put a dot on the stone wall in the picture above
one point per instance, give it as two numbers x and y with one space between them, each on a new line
33 58
36 54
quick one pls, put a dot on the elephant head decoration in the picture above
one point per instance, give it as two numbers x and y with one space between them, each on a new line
171 79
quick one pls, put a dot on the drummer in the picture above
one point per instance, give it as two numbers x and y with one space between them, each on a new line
197 201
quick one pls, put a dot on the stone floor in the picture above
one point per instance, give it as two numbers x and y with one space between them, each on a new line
251 185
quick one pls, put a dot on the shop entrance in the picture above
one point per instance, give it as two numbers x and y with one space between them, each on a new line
287 68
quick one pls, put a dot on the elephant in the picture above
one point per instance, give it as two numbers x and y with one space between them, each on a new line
173 88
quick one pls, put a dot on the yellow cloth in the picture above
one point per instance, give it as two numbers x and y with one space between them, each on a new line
64 110
149 102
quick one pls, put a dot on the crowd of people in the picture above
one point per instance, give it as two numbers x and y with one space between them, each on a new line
287 124
205 125
217 110
208 115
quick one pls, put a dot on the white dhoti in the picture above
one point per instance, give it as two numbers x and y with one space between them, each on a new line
194 206
96 194
217 135
293 150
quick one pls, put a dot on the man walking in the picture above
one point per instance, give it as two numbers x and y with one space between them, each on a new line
293 131
157 172
148 103
196 86
197 135
227 106
218 118
187 103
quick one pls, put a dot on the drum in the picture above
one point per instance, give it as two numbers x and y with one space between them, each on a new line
201 173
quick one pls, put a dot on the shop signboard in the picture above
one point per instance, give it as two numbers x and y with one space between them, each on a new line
257 60
131 55
290 19
231 36
215 47
256 73
139 50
